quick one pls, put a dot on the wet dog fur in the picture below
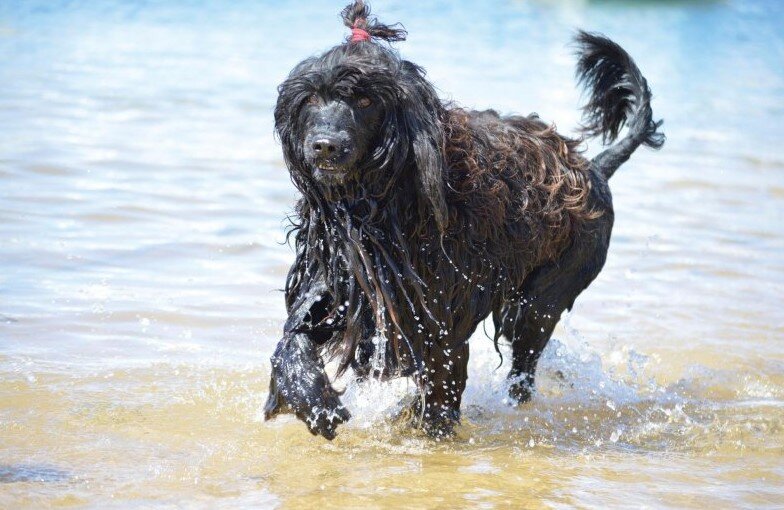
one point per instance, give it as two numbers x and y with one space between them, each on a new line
418 219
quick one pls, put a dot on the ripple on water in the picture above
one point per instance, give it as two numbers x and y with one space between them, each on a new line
31 473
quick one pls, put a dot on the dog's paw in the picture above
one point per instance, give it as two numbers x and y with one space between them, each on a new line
437 424
311 399
441 426
521 391
324 419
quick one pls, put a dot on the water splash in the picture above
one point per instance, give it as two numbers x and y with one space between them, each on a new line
586 400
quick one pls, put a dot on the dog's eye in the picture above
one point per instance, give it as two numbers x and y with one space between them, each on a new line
313 99
364 102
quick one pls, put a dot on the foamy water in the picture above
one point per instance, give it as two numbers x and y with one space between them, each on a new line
142 211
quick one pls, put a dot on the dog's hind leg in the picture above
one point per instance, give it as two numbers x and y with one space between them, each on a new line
528 321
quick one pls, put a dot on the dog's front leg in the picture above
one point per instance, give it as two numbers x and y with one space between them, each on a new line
446 374
300 385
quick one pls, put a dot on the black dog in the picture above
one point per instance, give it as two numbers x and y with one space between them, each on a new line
418 219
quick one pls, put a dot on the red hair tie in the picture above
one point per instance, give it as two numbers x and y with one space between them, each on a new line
358 34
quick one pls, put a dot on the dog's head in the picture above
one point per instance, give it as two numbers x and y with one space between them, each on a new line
359 117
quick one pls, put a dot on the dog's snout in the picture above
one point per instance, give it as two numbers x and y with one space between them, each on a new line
325 147
330 150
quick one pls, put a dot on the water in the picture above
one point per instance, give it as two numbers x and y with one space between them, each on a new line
142 206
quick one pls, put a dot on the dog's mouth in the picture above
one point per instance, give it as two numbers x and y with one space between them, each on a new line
330 168
329 173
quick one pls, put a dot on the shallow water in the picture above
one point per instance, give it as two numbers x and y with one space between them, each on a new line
142 206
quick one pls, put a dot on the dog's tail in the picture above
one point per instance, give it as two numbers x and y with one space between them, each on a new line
619 95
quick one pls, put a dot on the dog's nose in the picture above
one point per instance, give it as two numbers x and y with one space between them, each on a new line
325 147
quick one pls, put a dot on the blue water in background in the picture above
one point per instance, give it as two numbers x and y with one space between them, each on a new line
715 67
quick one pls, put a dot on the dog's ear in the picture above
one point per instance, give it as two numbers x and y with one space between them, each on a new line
430 173
426 137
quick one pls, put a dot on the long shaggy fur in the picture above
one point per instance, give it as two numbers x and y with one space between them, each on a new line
450 216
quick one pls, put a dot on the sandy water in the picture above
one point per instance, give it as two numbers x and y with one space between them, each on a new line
142 206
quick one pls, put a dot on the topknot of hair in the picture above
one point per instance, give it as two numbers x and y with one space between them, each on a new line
357 15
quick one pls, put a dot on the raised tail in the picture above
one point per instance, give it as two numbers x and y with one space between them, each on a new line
619 95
